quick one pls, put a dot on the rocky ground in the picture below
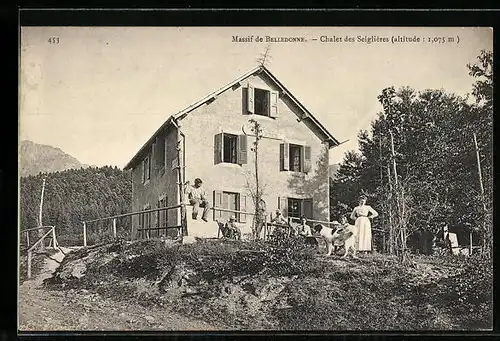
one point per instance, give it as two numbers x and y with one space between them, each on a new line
42 309
220 285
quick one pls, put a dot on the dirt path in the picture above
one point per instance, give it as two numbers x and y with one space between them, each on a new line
47 310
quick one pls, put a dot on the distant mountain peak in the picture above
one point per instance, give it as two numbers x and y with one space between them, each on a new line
37 158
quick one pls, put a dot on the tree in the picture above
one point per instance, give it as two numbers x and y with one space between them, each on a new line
256 190
265 57
75 195
346 185
483 129
431 132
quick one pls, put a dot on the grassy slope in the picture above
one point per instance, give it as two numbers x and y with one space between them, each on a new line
262 287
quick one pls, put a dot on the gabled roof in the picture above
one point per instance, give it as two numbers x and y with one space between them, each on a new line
332 140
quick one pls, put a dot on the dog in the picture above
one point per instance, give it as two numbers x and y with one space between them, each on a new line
344 235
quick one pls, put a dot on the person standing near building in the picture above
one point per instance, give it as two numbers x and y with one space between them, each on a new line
362 215
198 198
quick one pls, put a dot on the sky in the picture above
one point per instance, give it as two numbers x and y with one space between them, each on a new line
99 93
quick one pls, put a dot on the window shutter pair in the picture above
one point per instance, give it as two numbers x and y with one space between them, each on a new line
285 157
273 101
221 202
241 146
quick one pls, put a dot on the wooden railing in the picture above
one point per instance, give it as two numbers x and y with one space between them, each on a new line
27 231
130 214
147 229
40 240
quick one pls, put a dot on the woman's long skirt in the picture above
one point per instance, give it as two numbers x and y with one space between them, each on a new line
364 234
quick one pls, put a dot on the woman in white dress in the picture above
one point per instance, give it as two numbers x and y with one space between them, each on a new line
362 215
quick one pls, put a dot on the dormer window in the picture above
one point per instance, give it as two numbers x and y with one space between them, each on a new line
262 101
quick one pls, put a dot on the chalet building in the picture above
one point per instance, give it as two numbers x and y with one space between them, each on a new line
212 140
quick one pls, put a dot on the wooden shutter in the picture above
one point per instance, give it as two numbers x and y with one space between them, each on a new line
307 159
273 107
225 204
242 149
165 150
144 170
148 168
250 99
152 161
283 205
217 204
243 207
284 156
160 151
307 208
218 148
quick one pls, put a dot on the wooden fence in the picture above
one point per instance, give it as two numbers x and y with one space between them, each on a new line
52 230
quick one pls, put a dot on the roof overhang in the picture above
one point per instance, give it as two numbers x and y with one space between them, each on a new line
137 156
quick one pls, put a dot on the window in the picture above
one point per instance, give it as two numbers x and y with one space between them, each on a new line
145 220
146 171
230 148
160 152
162 215
295 158
230 201
295 208
262 102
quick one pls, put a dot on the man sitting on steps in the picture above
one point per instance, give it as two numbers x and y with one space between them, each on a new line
198 198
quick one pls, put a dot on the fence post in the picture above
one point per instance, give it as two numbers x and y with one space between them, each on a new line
84 234
54 241
29 264
114 228
470 243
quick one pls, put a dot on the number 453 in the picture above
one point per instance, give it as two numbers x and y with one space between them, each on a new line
53 40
